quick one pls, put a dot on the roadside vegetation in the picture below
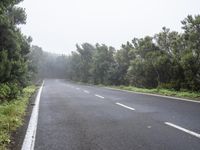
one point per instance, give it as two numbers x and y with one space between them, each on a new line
12 114
167 60
16 69
165 92
166 63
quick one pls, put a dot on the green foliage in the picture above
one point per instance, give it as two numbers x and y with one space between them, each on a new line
14 90
11 115
4 4
8 91
123 59
191 58
167 60
162 91
103 62
4 92
17 15
14 47
85 52
5 66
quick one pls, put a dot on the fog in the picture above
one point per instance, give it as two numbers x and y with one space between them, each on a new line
58 25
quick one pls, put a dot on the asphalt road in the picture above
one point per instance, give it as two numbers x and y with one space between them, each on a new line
80 117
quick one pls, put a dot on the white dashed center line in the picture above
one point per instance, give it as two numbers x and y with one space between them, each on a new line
86 91
183 129
125 106
99 96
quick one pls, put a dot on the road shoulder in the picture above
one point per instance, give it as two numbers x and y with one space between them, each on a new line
157 95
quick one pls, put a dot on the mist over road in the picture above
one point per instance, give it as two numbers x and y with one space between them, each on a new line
80 117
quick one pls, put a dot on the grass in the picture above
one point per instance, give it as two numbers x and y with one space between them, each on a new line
11 115
160 91
166 92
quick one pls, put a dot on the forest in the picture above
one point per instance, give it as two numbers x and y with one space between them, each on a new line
168 59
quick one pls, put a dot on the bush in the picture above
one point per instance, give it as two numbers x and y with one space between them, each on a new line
9 91
4 92
170 85
11 115
14 90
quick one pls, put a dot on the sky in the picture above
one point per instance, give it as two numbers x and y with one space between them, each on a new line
58 25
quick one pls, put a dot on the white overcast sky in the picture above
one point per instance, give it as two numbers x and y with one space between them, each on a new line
57 25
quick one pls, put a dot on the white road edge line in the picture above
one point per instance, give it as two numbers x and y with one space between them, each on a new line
125 106
183 129
86 91
29 140
99 96
156 95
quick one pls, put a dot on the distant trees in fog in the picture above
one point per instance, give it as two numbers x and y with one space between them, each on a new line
47 65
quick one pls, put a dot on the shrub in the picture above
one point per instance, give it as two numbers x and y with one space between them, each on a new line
4 92
9 91
14 90
11 115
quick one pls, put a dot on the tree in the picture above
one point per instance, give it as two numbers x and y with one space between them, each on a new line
14 46
123 58
191 57
172 46
103 62
86 52
142 71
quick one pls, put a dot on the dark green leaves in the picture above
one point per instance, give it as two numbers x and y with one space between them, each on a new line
169 59
14 47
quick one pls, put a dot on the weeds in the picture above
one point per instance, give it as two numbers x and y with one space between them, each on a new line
166 92
11 115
